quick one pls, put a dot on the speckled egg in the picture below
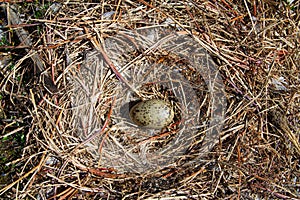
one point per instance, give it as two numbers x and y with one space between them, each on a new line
154 113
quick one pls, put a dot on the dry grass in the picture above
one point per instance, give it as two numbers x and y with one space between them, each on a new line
256 47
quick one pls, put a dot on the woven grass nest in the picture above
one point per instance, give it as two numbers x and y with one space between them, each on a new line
155 73
235 101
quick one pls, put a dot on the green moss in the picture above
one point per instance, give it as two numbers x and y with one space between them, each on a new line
10 150
4 41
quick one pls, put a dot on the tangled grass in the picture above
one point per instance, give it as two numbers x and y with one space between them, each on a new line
255 46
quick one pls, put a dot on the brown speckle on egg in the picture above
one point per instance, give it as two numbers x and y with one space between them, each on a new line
154 113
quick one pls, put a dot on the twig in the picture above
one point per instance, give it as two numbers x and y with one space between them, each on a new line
26 40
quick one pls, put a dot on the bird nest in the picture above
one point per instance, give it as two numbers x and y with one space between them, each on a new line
93 61
153 63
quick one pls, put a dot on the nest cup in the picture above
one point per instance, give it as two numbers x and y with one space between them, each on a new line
154 63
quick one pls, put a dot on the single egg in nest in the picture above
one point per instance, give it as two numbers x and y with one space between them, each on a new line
154 113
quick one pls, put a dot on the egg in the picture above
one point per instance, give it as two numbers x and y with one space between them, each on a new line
154 113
